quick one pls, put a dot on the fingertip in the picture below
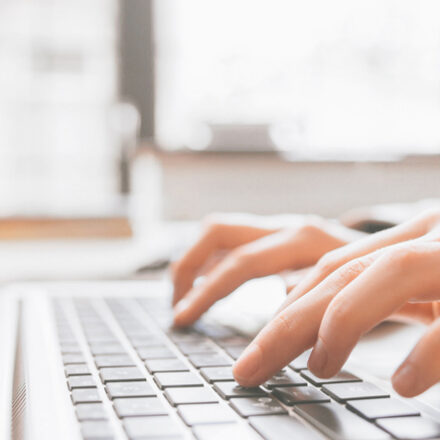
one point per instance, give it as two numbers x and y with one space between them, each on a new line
405 381
182 313
176 297
318 360
247 367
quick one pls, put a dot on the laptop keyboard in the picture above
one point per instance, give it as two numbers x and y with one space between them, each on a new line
131 376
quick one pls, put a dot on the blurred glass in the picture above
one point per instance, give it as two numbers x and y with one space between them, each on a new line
343 78
58 81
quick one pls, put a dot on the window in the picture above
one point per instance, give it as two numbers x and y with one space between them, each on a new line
315 78
58 80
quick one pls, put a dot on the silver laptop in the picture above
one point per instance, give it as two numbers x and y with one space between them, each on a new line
99 360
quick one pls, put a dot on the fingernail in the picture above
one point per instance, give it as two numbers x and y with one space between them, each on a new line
248 363
405 380
318 358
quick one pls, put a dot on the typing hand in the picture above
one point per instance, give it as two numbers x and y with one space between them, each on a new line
233 249
349 291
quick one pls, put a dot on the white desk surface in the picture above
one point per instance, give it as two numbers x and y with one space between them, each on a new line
89 259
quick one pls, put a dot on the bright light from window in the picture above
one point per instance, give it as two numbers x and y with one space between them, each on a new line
321 78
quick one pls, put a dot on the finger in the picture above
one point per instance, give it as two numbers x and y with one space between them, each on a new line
399 274
333 260
266 256
421 369
293 330
414 313
215 237
293 277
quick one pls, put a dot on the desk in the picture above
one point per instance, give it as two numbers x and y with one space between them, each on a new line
91 259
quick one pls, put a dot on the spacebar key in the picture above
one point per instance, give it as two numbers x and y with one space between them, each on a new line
283 427
338 423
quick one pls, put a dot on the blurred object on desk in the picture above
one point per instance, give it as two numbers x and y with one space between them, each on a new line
377 217
106 218
36 228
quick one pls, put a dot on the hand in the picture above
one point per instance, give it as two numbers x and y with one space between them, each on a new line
233 249
347 293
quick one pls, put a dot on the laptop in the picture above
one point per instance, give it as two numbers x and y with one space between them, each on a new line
100 361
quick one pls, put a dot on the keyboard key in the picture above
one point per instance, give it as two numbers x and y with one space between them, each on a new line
162 365
98 339
411 428
67 340
129 389
300 363
99 335
139 406
180 379
338 423
256 406
373 409
203 414
85 395
282 427
197 347
98 330
155 353
233 389
186 335
235 351
297 395
69 359
76 370
209 360
90 411
154 427
213 331
96 430
146 341
136 331
121 374
81 382
115 360
188 395
224 431
284 379
217 374
341 377
110 342
70 349
107 349
352 391
234 341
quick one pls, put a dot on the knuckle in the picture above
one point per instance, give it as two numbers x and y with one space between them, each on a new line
242 258
337 311
401 257
210 223
350 270
313 225
430 217
212 227
281 322
339 315
328 263
354 267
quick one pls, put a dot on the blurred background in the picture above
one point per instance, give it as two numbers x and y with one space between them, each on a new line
167 110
